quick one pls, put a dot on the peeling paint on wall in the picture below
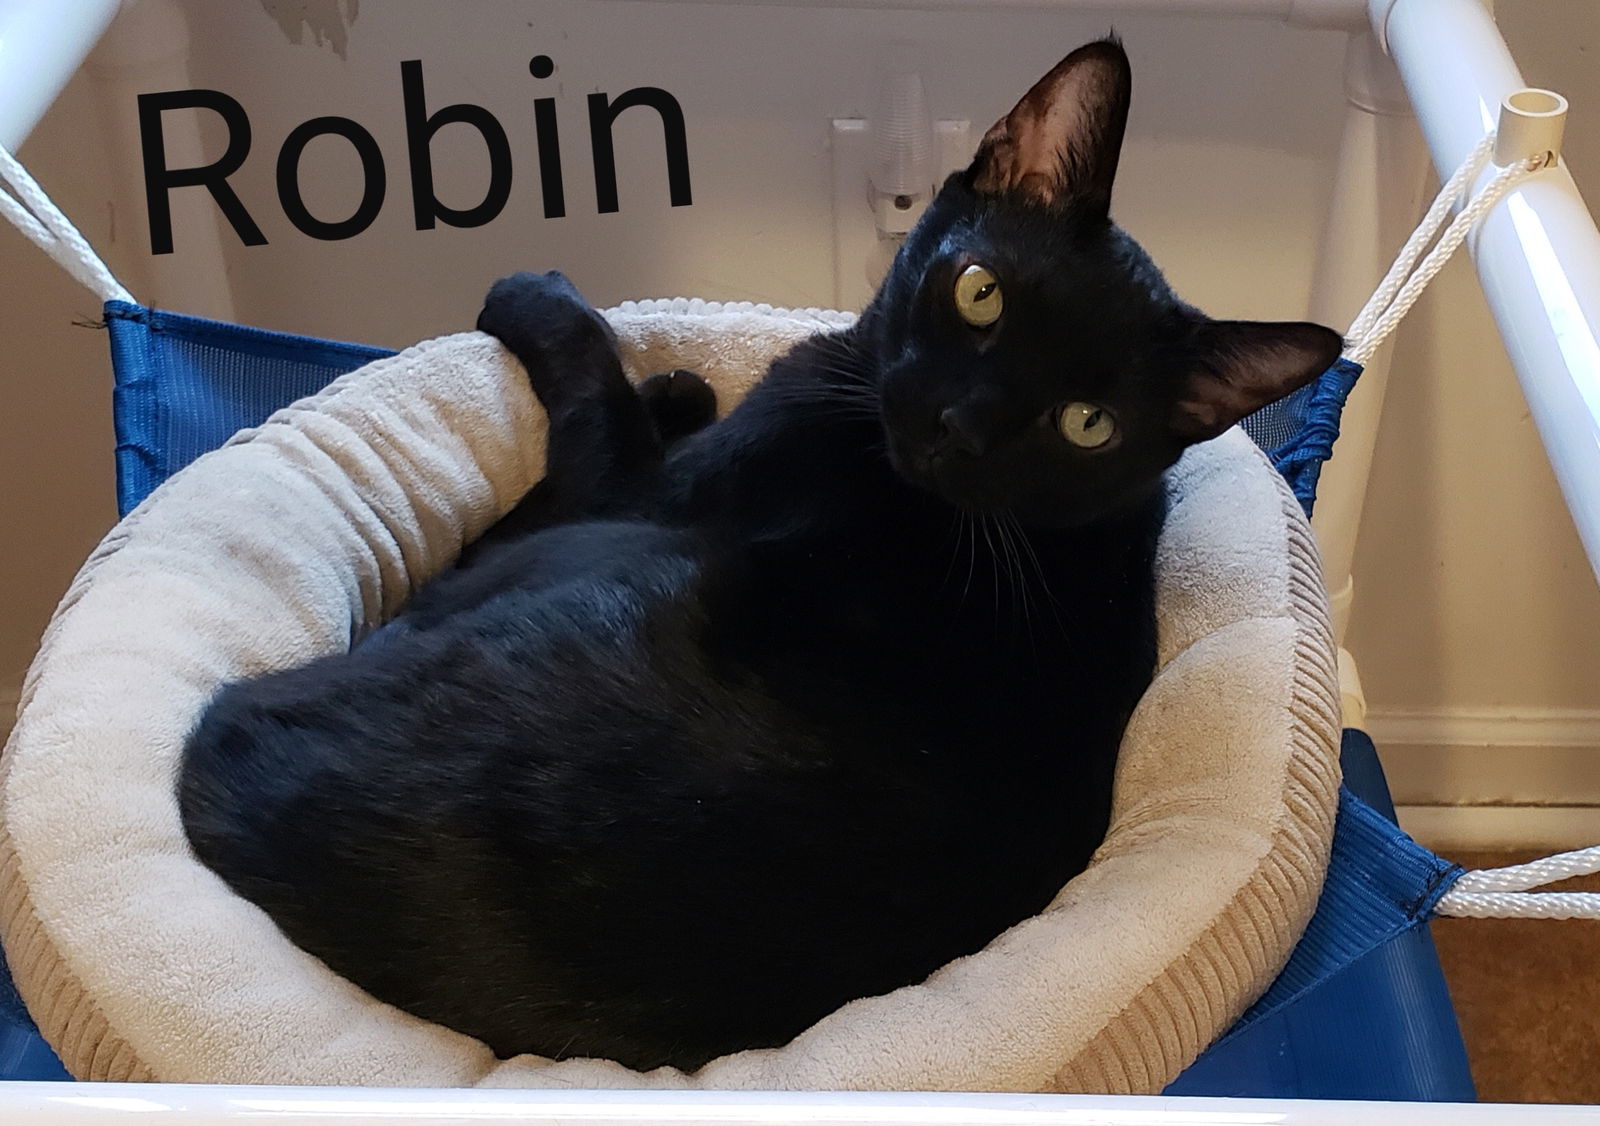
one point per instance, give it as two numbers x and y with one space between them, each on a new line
328 20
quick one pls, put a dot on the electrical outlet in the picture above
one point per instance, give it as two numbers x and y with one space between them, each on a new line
861 251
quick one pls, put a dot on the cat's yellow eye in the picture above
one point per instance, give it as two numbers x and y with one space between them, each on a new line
978 297
1086 425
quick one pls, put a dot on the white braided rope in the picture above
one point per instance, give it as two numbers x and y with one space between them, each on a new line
1453 191
1520 905
1495 893
1406 279
1503 893
42 223
1536 873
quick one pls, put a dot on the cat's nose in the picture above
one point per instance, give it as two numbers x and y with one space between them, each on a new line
960 430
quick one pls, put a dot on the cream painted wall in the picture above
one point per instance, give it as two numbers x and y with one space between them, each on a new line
1473 597
55 403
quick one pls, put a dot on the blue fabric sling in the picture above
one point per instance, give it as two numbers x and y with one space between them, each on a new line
185 385
1298 431
1360 1011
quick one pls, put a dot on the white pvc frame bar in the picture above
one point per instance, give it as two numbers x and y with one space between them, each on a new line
108 1104
42 44
1346 15
1537 254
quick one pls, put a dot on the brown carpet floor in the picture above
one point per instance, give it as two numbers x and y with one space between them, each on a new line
1527 992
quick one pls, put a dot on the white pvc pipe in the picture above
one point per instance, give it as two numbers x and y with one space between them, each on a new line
1537 254
106 1104
42 43
1348 15
1378 184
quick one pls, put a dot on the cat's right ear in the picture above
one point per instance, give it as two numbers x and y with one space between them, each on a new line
1059 145
1238 367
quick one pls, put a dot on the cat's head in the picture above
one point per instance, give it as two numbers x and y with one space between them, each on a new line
1032 356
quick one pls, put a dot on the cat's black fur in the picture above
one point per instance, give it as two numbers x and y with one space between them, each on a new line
724 727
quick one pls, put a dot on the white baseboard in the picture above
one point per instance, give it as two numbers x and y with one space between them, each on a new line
1490 756
1453 828
1493 778
1502 727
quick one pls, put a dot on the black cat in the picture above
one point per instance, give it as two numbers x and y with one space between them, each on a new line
724 727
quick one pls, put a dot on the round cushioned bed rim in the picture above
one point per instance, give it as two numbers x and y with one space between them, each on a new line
1150 1028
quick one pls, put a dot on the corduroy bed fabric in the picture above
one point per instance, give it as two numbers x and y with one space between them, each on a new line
138 963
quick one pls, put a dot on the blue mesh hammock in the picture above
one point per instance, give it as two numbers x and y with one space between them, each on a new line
1361 1009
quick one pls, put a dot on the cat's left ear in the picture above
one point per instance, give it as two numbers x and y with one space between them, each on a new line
1237 367
1059 145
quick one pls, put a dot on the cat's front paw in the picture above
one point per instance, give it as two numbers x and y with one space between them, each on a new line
547 324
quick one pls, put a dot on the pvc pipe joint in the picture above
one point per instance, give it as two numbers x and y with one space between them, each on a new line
1532 122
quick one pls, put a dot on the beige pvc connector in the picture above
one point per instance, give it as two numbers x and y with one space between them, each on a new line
1531 124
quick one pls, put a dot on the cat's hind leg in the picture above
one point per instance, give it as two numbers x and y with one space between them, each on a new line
679 403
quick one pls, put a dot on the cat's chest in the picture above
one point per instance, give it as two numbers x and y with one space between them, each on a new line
948 613
857 585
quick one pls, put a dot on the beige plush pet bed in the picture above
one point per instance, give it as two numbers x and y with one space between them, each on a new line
138 963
